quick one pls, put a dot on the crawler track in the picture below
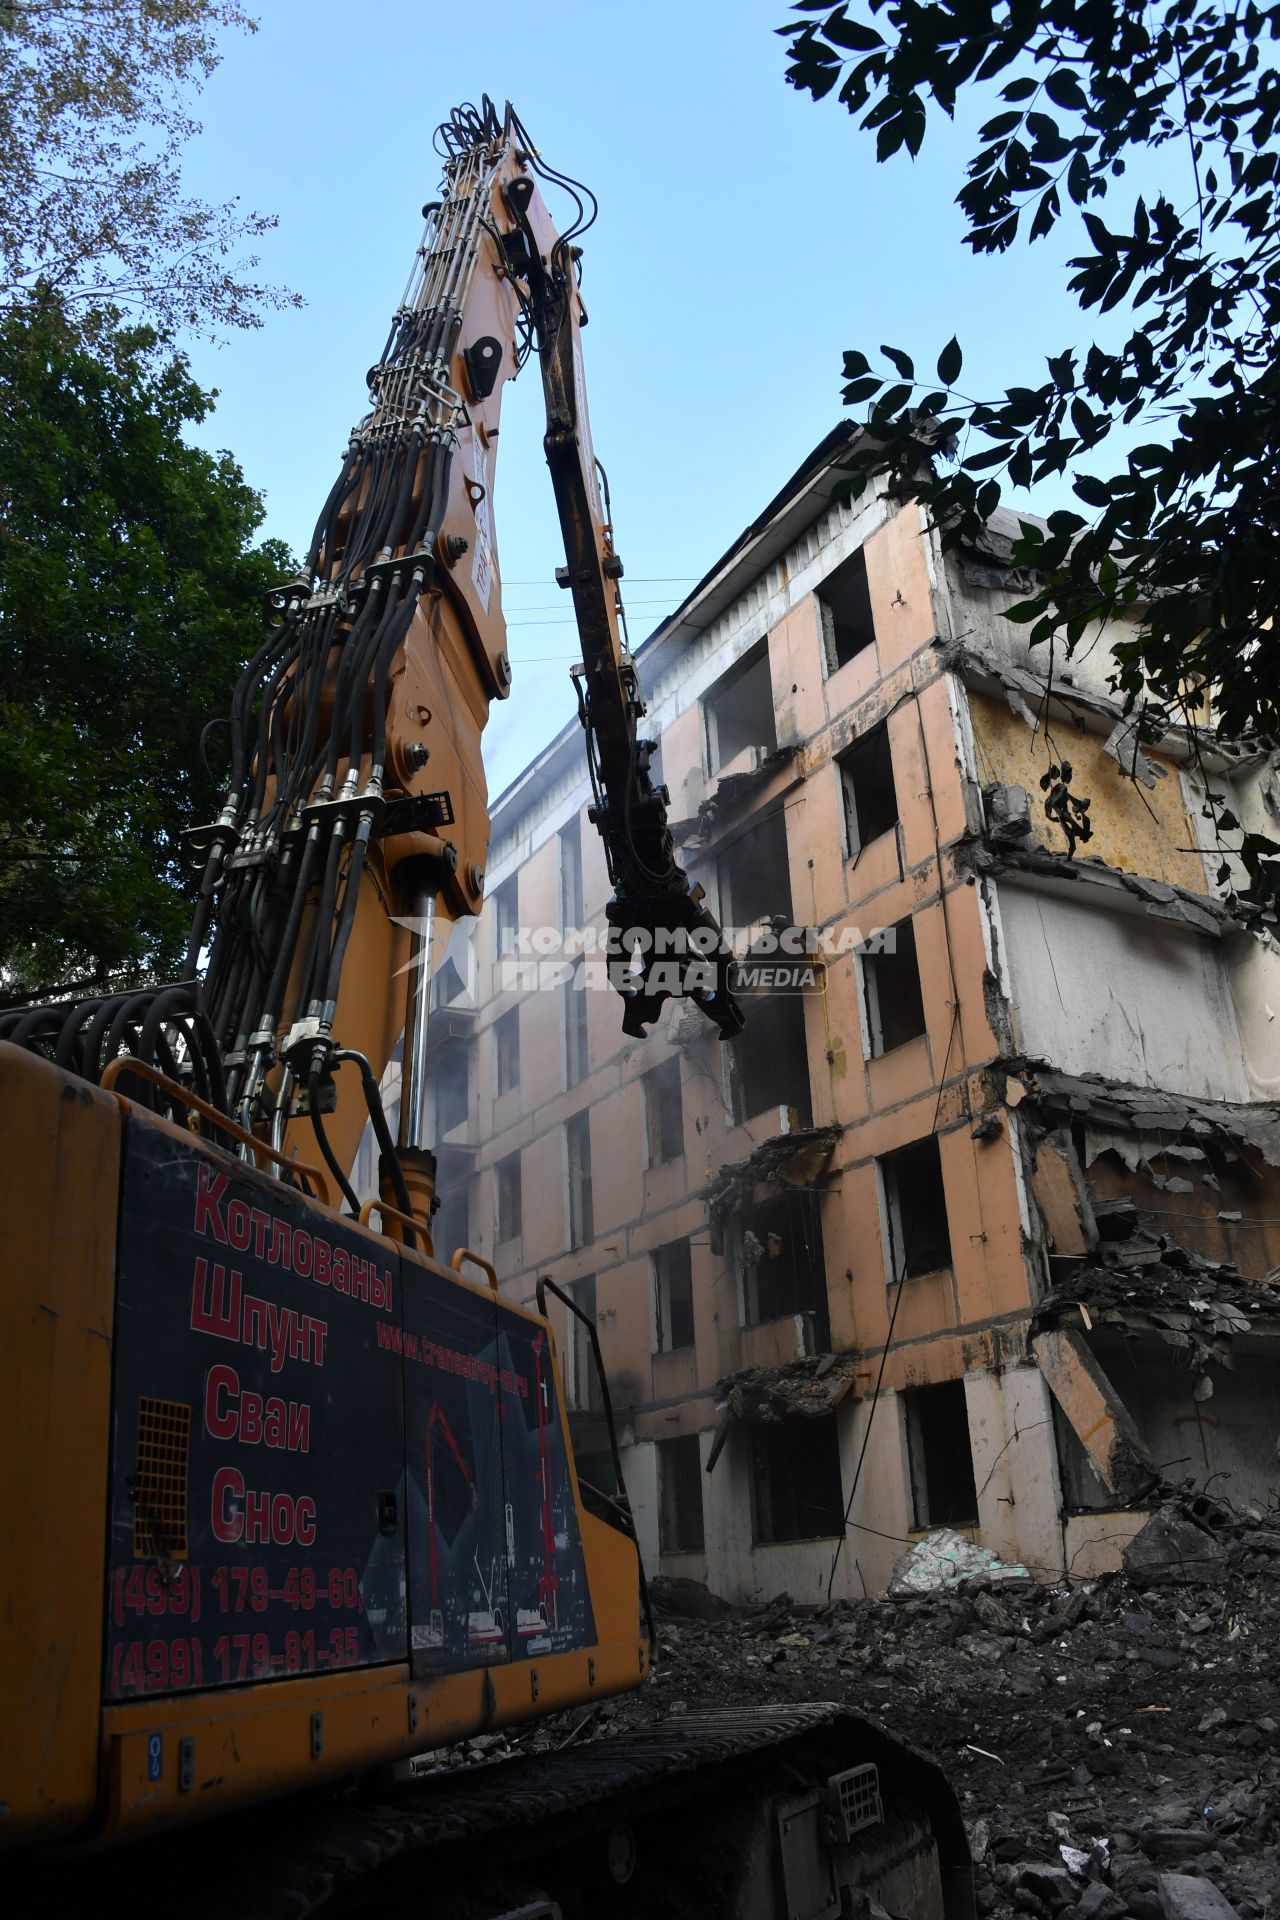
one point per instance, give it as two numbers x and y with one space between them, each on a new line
480 1840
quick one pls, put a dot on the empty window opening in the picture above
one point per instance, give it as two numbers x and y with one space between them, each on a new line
577 1134
845 603
507 1182
916 1209
584 1379
753 878
571 875
448 985
663 1112
796 1480
941 1456
891 991
740 710
778 1244
870 797
574 993
506 1041
507 911
672 1297
453 1093
768 1062
680 1527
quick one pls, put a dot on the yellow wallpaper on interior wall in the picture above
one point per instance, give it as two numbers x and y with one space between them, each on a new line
1136 828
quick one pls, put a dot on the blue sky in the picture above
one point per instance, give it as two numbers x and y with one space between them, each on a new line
745 238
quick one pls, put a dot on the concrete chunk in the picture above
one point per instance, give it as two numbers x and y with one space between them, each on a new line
1185 1898
1171 1552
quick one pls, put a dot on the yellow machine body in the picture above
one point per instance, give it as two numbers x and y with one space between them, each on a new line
237 1559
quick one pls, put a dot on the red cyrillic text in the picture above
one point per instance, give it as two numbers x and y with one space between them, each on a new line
220 1306
277 1243
232 1412
240 1514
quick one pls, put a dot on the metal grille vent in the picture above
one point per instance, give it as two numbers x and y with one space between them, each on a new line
853 1799
159 1487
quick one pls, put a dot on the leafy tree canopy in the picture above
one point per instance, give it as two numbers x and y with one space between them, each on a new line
130 596
1177 550
94 113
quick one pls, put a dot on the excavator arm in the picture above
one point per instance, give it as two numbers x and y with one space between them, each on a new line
658 922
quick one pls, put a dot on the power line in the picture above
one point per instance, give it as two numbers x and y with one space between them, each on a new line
553 606
637 579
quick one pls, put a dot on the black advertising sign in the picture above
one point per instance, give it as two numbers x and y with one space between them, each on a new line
293 1404
495 1555
258 1443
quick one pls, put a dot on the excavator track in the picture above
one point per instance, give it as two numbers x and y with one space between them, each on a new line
540 1834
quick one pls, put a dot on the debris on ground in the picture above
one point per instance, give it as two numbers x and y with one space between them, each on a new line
944 1559
1115 1746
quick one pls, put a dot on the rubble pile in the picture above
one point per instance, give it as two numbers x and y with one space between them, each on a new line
1139 1281
1115 1746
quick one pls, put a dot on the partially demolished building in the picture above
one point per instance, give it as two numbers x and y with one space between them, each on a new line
978 1221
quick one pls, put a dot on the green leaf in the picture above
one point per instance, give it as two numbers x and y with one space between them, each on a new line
1003 124
901 361
1020 464
989 457
950 361
892 401
851 34
1094 492
1064 89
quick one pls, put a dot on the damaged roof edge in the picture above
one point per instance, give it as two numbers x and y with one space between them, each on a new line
987 673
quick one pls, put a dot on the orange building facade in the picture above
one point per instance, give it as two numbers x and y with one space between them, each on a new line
972 1225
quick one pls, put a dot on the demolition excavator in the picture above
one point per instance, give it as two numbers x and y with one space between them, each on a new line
288 1500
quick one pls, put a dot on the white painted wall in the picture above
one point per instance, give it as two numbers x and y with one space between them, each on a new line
640 1477
737 1568
881 1516
1015 1468
1253 959
1120 994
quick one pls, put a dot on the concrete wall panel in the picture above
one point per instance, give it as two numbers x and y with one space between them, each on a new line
1133 999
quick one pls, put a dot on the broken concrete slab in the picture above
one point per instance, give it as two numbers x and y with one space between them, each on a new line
1138 1110
805 1389
1060 1194
1163 901
1121 745
1185 1898
795 1159
1105 1429
1171 1551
